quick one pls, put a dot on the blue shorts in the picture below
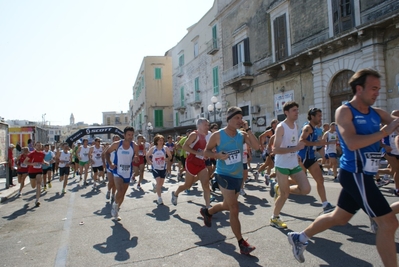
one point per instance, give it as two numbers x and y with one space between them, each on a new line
228 182
159 173
331 155
125 180
245 165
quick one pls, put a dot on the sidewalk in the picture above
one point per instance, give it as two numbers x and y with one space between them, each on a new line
7 193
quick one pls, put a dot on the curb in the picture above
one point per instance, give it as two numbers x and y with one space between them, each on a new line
9 195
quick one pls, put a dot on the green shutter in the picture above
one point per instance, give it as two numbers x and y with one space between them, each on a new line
214 37
177 119
181 60
196 89
182 96
158 74
215 81
159 118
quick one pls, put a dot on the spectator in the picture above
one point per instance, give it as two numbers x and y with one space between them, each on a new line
10 164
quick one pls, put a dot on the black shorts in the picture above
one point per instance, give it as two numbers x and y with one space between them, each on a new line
359 191
44 171
307 163
64 171
229 183
99 168
33 175
76 160
159 173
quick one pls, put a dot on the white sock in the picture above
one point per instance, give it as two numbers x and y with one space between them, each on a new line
303 238
325 204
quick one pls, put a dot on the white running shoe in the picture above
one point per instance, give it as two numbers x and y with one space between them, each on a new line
160 201
174 198
114 210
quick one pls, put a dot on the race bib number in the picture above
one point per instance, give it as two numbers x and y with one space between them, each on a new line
37 166
24 165
141 153
372 162
234 157
199 156
124 168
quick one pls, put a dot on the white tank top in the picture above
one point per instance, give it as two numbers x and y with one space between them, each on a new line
84 154
64 158
158 159
331 148
96 156
124 161
245 154
290 139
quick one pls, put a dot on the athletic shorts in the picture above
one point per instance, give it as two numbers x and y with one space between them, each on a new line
307 163
331 155
359 191
286 171
83 163
393 155
183 162
76 160
210 162
22 172
159 173
33 175
194 169
44 171
228 182
99 168
319 148
64 171
245 165
141 161
125 180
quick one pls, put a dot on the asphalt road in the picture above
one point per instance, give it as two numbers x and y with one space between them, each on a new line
76 229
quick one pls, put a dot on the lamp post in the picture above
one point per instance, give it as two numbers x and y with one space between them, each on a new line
214 107
149 130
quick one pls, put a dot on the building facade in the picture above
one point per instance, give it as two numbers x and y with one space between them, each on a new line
152 105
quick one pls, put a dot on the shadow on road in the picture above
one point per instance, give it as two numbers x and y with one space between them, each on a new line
119 242
161 213
105 211
25 209
56 196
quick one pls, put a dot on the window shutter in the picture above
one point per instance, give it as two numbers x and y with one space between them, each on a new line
235 55
214 37
246 50
182 96
215 81
159 118
280 37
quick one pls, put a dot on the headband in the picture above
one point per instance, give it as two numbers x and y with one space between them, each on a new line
233 114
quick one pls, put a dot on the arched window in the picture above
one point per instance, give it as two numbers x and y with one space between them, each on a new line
340 91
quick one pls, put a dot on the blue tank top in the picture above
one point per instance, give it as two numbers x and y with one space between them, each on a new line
364 160
308 152
233 166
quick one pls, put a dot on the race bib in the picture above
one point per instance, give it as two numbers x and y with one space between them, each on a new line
234 157
24 165
198 156
141 153
37 166
372 162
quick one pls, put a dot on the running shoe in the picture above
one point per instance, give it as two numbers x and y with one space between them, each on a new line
63 191
37 203
107 196
267 179
272 184
154 188
187 191
49 185
174 198
44 188
382 183
18 194
297 247
256 176
138 187
94 185
114 210
396 192
373 226
242 192
278 223
207 218
160 201
328 208
246 248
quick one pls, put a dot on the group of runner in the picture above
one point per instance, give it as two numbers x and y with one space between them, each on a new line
209 152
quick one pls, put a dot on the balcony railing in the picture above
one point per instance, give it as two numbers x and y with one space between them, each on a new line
242 69
212 46
180 71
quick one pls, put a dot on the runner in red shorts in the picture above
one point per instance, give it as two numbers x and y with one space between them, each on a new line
195 162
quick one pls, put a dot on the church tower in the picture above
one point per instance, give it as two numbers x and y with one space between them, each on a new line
72 119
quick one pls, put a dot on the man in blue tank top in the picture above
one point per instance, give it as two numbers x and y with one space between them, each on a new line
359 132
229 170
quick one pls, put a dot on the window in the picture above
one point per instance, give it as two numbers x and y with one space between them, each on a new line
241 52
181 60
196 49
125 120
196 90
177 119
245 110
343 15
216 80
117 120
280 37
214 37
108 121
182 96
158 75
158 118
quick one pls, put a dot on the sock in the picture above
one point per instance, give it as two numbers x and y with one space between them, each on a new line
275 216
303 238
325 204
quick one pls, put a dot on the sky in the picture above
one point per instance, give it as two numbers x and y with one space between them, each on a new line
82 56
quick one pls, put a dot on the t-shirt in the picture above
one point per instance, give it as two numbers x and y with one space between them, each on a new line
37 158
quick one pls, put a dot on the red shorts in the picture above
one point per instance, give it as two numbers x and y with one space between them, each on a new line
141 161
195 167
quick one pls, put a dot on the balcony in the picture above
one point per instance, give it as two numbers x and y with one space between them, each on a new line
180 71
212 46
239 77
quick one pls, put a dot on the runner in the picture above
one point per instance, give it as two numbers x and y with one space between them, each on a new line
125 152
229 170
95 155
84 161
110 174
139 166
76 158
285 147
64 160
210 162
245 156
330 137
22 169
171 147
55 148
358 127
157 155
183 154
264 140
49 156
311 139
35 160
195 163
